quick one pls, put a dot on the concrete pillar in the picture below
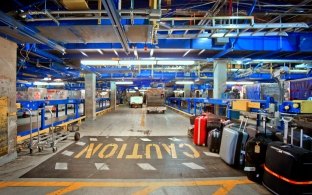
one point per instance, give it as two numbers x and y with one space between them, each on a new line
113 95
187 90
219 79
8 119
90 103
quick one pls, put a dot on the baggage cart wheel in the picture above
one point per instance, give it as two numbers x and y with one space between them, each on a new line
77 136
40 148
54 149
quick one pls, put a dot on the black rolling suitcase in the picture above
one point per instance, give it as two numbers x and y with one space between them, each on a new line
255 157
255 152
214 141
288 169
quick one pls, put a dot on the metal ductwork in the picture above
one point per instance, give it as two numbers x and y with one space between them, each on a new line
28 32
75 4
115 20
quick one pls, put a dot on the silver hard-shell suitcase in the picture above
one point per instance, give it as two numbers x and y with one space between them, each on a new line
233 142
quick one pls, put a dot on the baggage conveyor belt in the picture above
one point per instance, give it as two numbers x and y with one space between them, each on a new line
133 158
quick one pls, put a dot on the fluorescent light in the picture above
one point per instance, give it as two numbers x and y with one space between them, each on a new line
46 79
185 62
178 91
303 65
124 82
152 52
100 51
116 52
136 53
57 83
184 82
239 82
52 84
239 62
188 51
99 62
137 62
83 53
202 51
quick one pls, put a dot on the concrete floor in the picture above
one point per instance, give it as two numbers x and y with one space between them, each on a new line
123 122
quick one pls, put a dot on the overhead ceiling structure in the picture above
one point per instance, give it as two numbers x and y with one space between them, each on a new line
256 35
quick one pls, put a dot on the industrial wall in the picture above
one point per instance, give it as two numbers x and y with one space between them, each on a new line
7 101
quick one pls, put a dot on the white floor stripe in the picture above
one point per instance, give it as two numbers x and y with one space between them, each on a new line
67 153
80 143
93 139
61 166
119 140
101 166
145 139
193 165
174 139
146 166
211 154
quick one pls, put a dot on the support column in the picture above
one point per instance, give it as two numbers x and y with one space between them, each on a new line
8 119
219 79
113 95
90 103
187 90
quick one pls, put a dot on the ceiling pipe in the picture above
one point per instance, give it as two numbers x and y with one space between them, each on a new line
277 18
52 18
115 20
16 25
66 12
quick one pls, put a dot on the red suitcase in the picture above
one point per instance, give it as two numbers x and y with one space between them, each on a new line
200 132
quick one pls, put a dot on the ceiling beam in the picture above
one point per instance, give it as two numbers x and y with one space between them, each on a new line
117 26
25 30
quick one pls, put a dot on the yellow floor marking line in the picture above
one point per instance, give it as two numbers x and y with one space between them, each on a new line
70 188
227 185
142 123
147 190
224 189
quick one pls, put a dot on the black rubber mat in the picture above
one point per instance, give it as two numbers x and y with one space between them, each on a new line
124 157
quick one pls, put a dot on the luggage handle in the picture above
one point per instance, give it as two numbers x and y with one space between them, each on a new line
292 137
286 121
246 118
264 124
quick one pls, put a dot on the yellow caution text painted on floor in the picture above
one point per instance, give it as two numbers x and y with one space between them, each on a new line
139 151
